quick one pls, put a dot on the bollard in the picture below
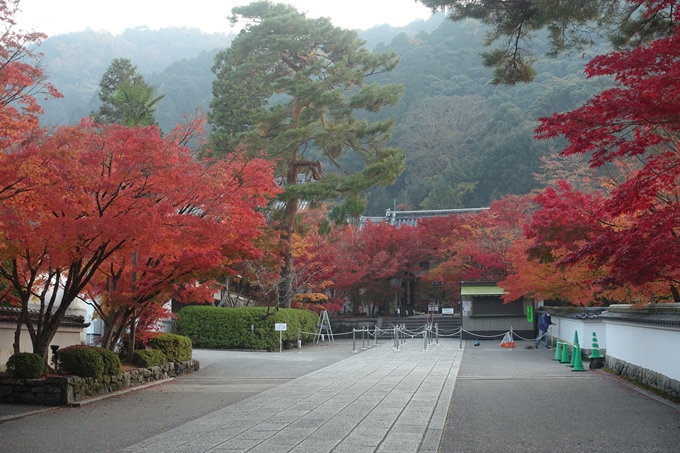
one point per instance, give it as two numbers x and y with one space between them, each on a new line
436 332
375 336
299 343
363 337
460 344
354 341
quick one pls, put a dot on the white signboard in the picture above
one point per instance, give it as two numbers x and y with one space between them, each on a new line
447 311
280 326
467 306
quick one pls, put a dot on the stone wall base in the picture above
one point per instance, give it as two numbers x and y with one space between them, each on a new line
648 377
65 390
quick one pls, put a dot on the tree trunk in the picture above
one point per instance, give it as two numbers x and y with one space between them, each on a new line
17 334
675 293
287 271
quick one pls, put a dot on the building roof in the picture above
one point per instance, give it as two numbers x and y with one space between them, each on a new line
11 315
654 314
410 218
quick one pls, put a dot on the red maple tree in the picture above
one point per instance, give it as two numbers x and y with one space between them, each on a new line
635 232
111 191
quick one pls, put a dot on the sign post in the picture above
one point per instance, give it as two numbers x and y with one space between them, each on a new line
280 327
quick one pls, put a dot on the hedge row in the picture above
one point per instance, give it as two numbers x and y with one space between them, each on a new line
230 328
149 357
176 348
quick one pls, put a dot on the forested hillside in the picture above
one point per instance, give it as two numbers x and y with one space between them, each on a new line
177 60
467 142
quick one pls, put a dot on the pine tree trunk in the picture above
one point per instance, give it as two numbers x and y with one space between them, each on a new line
287 271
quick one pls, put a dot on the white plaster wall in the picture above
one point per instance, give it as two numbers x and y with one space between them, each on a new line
65 336
651 347
565 328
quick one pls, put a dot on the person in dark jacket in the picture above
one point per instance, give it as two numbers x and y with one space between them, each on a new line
543 325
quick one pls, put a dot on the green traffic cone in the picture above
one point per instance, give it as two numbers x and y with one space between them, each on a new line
578 362
575 337
595 352
558 350
565 353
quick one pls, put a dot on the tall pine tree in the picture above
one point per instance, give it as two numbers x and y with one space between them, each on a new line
291 86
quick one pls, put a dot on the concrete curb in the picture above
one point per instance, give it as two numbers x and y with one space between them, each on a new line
84 402
7 418
97 398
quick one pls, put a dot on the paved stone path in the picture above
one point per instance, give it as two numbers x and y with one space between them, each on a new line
381 400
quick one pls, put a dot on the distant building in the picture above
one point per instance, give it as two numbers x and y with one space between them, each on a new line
410 218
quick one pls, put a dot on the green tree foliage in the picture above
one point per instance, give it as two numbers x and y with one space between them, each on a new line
571 25
292 86
136 102
465 139
121 72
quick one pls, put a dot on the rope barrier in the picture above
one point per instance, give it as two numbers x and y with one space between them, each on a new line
485 336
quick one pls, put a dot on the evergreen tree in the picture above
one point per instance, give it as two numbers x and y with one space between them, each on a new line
136 103
291 85
571 24
120 70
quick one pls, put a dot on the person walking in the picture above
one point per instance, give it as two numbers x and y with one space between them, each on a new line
543 325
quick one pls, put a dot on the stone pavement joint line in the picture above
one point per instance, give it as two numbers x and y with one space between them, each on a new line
381 400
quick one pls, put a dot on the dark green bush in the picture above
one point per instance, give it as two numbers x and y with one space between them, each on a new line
110 359
81 360
229 328
149 357
177 348
26 365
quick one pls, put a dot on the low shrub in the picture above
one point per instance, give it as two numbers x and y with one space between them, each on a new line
149 357
26 365
177 348
110 359
230 328
81 360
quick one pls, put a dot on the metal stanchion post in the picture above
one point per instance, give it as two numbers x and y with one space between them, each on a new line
299 343
425 339
460 345
363 338
354 341
436 331
375 336
512 339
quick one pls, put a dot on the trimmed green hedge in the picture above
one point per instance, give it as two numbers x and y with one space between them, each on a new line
25 365
149 357
110 359
229 328
81 360
177 348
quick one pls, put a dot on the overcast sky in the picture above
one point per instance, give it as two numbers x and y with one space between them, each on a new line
55 17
